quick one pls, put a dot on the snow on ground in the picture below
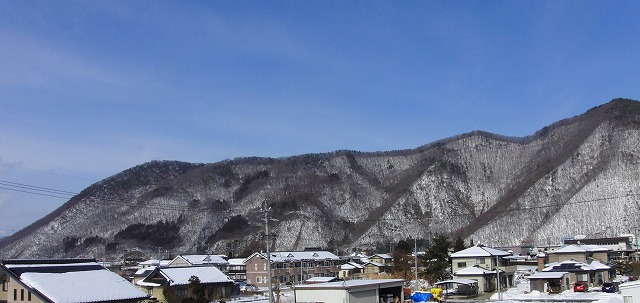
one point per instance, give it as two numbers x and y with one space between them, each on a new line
521 293
518 294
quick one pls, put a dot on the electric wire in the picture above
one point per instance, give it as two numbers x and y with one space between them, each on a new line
36 190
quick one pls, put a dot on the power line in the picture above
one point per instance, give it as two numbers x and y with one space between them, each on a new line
36 187
36 190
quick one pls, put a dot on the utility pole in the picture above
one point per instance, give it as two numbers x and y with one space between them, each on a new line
498 277
415 259
267 237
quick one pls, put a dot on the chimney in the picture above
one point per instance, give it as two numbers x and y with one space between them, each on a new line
542 259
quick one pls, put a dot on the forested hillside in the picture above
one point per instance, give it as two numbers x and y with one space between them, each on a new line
578 176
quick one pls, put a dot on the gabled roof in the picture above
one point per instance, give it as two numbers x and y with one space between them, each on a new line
479 251
181 275
198 260
351 265
598 265
383 256
62 281
376 264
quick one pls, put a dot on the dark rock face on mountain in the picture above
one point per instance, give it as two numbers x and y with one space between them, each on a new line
577 176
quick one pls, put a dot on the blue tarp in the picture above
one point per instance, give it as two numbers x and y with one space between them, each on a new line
421 297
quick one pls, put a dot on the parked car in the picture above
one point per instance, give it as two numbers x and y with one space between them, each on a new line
249 288
609 287
580 286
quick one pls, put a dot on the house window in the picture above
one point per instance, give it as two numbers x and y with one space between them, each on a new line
255 266
15 295
462 264
5 285
150 291
480 261
29 296
22 295
264 266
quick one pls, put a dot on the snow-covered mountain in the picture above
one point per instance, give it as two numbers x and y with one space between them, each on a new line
578 176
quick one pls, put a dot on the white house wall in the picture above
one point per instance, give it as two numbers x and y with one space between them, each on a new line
325 296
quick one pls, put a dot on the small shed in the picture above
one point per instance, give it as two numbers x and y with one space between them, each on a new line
549 281
352 291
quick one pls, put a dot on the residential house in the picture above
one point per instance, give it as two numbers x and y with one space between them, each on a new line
485 278
619 248
237 270
153 263
480 263
146 267
172 284
351 270
578 252
592 271
384 259
199 260
352 291
372 268
291 266
64 280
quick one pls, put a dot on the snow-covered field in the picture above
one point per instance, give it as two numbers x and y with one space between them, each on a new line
521 293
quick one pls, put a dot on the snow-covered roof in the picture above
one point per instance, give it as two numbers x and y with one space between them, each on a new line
283 256
474 271
383 256
378 264
76 282
358 255
150 262
351 265
579 249
548 275
479 251
202 259
569 265
181 275
598 265
237 261
143 272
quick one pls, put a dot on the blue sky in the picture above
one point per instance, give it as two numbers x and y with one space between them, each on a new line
90 88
